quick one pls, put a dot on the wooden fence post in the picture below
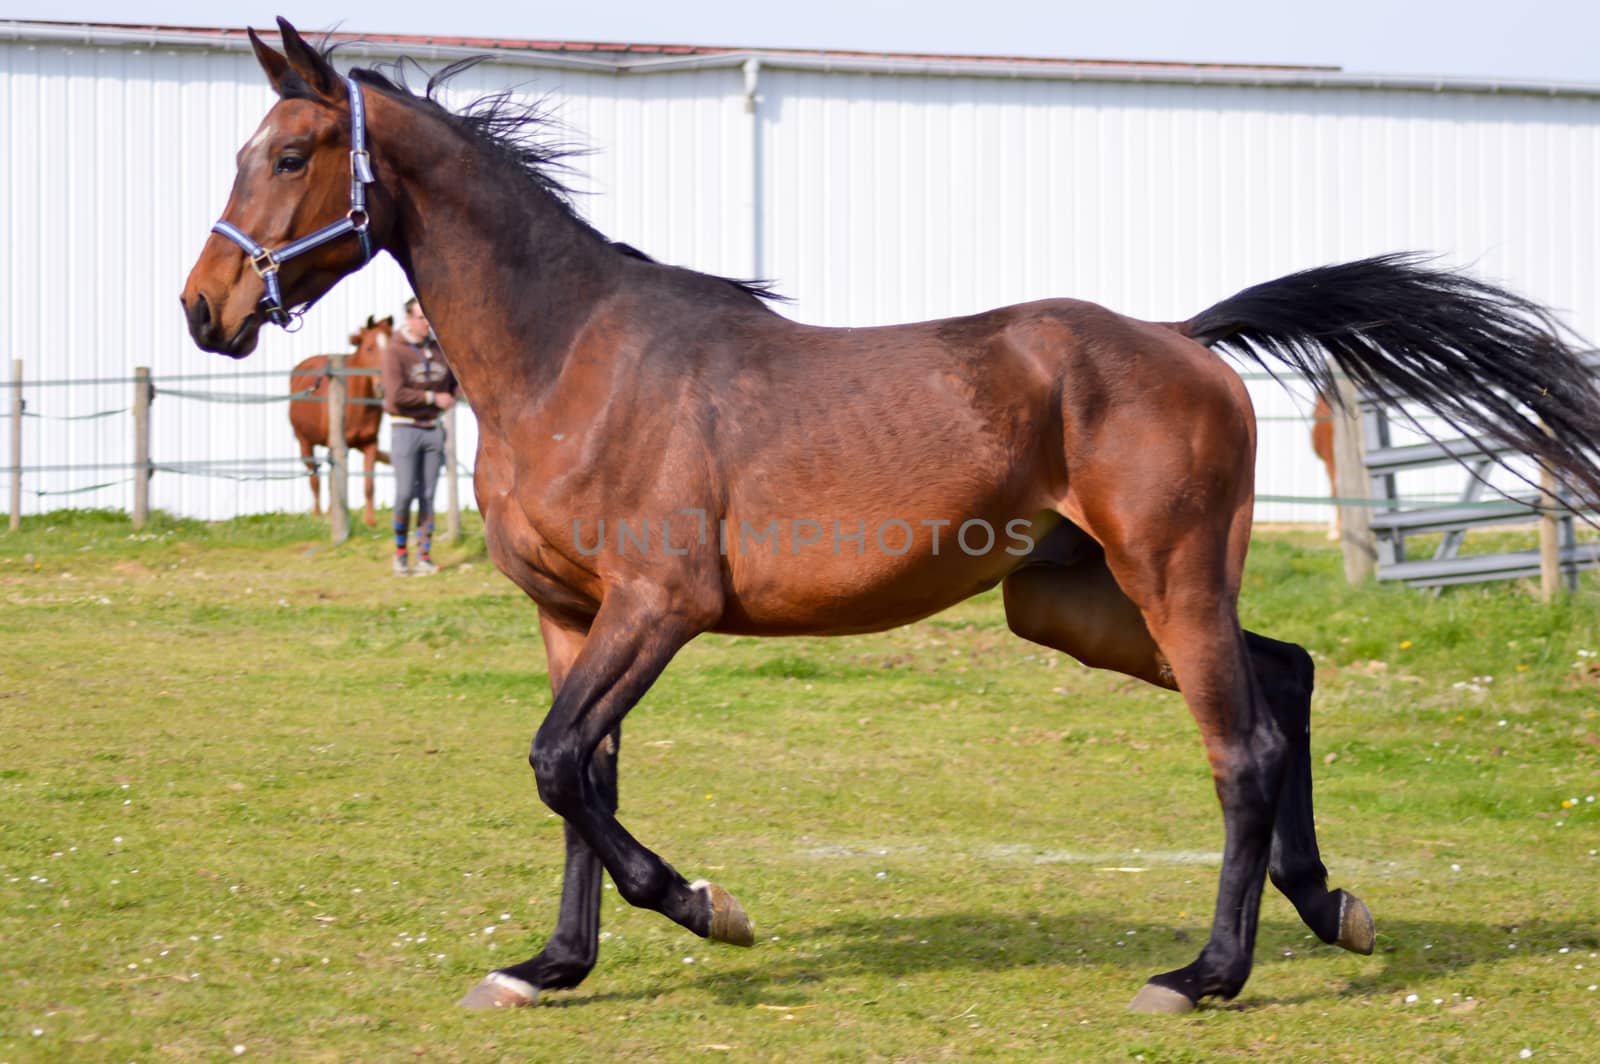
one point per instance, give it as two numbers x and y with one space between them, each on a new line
142 394
16 444
1549 539
1350 466
452 487
338 452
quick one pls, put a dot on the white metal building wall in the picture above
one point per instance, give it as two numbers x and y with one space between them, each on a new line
869 198
896 198
117 161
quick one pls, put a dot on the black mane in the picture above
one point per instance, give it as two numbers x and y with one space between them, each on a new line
527 134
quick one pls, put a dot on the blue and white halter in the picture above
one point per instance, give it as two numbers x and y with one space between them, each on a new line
266 262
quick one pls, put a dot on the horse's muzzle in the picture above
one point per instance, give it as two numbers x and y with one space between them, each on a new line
206 329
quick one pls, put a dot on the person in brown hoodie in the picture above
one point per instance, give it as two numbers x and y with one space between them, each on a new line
417 388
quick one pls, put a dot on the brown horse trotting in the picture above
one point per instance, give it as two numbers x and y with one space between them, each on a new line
661 455
363 416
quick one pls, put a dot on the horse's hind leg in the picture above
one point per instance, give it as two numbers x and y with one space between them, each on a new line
1078 608
1175 626
1285 673
1192 615
1178 558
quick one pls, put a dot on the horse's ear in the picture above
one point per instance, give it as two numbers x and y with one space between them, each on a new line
372 319
389 321
285 82
309 63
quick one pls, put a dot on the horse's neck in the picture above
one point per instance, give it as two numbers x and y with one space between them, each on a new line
367 357
363 385
465 275
505 317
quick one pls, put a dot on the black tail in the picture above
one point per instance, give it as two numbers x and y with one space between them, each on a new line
1487 361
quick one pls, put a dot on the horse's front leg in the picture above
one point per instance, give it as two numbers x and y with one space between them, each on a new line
308 457
369 454
598 676
573 948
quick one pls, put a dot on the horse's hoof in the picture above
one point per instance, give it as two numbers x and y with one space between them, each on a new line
1356 933
728 922
500 991
1159 1000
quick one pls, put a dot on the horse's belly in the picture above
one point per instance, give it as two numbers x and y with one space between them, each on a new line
842 580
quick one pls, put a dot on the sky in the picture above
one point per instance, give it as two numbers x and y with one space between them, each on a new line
1540 40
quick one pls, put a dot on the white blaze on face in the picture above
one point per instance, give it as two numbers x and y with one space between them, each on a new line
258 140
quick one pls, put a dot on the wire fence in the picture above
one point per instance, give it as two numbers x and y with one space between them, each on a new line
60 480
1381 534
28 394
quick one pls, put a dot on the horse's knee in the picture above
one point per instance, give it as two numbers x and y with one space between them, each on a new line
558 768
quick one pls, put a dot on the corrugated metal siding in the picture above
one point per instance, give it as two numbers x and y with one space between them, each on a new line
896 198
868 198
132 156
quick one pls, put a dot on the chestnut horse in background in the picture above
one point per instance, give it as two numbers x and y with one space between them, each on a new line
1097 467
1322 443
363 413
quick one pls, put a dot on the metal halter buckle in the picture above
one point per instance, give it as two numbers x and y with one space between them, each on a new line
263 263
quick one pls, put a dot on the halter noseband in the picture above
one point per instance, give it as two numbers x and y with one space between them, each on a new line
266 262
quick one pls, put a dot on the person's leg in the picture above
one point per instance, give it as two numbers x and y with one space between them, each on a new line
430 456
404 457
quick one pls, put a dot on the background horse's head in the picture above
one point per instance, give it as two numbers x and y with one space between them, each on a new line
370 340
294 180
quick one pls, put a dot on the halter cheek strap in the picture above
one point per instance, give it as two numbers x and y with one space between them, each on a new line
266 262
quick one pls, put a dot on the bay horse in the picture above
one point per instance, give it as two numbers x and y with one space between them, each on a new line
363 416
764 477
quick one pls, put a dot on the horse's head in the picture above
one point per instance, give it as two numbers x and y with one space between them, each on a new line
370 340
302 213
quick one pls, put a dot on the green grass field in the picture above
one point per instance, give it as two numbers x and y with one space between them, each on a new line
260 799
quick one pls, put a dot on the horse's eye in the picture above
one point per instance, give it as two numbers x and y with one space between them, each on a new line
289 164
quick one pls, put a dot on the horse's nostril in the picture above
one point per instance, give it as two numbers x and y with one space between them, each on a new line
199 315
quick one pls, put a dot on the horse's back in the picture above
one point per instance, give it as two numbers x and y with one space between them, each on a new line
1059 338
1109 373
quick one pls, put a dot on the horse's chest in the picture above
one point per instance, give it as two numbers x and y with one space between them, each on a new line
520 550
